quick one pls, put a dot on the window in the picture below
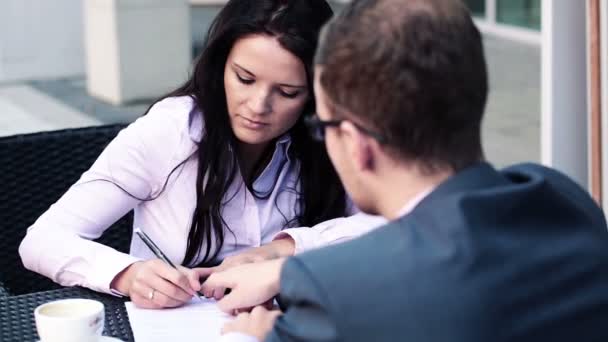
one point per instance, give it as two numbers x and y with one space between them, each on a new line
477 7
522 13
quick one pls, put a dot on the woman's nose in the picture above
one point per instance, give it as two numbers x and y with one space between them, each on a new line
260 102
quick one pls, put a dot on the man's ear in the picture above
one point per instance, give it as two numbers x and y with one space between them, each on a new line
357 146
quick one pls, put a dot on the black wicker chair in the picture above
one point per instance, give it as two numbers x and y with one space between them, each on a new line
36 170
3 290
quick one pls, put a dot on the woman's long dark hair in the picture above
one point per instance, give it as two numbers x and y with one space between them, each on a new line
296 25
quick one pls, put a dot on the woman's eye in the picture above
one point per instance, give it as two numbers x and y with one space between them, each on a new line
244 80
289 95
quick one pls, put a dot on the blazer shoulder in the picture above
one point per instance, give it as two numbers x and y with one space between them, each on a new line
558 187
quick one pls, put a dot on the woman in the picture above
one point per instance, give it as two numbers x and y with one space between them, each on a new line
222 164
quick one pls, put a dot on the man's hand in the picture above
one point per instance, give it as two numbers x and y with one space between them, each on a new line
258 323
276 249
250 284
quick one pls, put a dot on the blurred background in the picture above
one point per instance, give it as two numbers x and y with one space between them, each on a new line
74 63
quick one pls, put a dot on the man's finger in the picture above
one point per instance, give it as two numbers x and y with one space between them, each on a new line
217 280
218 292
207 291
258 310
275 313
231 301
204 272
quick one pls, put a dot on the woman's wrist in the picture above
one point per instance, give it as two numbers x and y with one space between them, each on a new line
122 281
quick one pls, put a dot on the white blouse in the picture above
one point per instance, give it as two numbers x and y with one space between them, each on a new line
140 160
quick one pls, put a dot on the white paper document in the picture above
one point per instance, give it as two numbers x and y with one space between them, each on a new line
195 321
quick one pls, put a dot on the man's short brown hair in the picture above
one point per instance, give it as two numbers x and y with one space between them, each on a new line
413 70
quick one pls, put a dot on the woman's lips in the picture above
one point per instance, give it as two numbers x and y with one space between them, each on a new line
252 124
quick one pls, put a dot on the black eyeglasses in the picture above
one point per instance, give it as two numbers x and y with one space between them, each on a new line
317 127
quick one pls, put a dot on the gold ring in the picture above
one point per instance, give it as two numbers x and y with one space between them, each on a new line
151 294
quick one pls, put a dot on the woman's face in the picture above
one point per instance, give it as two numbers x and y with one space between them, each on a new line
266 89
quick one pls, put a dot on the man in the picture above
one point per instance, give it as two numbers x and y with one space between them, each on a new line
471 254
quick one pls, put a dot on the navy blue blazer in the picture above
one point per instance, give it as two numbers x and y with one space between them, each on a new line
517 255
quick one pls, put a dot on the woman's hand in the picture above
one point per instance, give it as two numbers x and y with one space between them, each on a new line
276 249
153 284
258 323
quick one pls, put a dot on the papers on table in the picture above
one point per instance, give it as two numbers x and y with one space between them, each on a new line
196 321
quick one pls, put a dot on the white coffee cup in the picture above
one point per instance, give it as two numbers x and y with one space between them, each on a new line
70 320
